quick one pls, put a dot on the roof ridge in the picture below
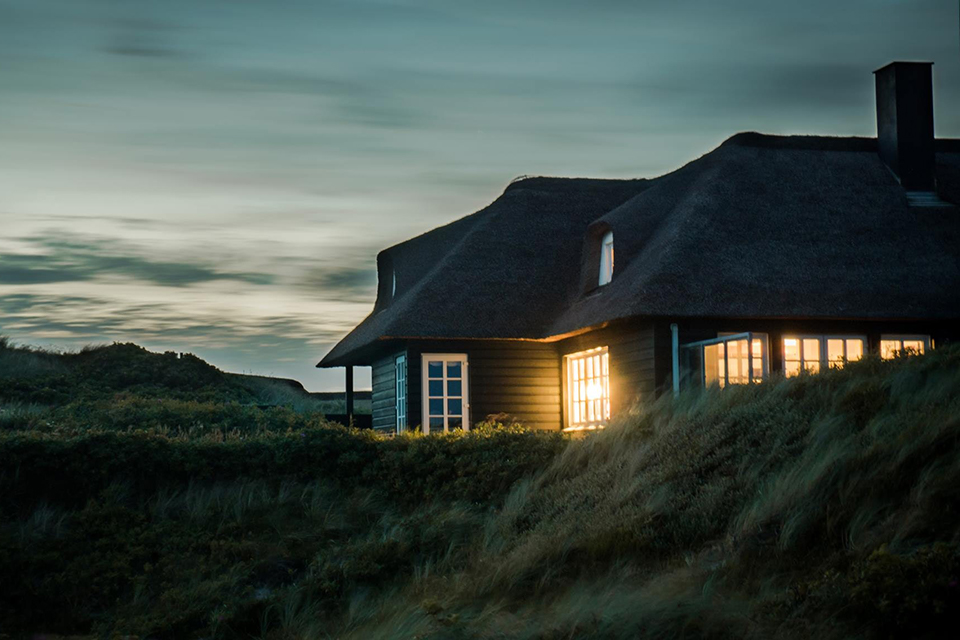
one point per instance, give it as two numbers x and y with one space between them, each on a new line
525 182
808 142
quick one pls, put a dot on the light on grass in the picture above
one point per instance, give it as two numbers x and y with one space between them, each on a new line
703 514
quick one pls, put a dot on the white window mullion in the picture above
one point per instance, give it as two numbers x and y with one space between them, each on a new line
722 365
823 352
444 417
588 389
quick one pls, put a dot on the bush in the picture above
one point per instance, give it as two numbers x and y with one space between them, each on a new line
823 506
68 468
95 374
189 524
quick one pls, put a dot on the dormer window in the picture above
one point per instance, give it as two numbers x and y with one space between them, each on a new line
606 259
386 281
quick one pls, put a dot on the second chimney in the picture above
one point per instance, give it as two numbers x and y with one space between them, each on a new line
905 122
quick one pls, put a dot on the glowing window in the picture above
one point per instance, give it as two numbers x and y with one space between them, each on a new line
606 259
843 350
801 354
893 346
737 359
812 353
588 389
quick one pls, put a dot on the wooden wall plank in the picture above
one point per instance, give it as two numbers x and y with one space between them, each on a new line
384 374
520 379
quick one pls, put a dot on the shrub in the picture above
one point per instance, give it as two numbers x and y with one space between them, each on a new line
823 506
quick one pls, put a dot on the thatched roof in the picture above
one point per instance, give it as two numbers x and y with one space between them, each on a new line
761 227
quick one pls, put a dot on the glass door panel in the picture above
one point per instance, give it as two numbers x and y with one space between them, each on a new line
445 398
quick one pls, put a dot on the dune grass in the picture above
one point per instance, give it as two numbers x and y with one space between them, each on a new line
823 506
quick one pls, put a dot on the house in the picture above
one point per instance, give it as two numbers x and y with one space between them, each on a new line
566 300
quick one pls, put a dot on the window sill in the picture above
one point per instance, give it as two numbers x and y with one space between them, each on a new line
584 427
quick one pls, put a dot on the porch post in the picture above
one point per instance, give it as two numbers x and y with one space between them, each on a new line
675 360
349 394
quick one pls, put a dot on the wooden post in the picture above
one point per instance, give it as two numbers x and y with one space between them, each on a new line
675 357
350 394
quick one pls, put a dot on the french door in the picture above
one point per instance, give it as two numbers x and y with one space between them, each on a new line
446 404
401 392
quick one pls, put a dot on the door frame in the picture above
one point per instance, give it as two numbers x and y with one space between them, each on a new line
400 367
425 388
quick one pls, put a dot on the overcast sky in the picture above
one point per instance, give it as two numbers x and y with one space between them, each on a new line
217 176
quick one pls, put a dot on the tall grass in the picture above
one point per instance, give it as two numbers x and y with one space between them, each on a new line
26 362
273 392
698 515
823 506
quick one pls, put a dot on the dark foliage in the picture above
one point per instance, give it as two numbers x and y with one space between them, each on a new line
824 506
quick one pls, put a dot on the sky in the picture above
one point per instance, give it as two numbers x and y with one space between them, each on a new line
217 176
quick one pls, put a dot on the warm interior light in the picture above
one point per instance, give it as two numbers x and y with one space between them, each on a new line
801 354
588 389
854 349
891 348
735 361
594 391
810 353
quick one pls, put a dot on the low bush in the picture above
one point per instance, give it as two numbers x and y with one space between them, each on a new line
824 506
96 374
108 521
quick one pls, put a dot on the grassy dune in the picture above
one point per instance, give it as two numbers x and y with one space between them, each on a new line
822 506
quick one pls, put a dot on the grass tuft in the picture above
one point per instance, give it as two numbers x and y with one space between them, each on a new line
822 506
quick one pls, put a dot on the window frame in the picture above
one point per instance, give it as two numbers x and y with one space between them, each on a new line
400 386
425 358
927 341
823 362
723 338
568 388
826 348
606 259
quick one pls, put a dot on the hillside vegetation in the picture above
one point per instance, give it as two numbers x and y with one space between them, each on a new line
123 386
821 506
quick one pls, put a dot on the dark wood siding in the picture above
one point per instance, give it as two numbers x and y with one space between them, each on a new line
384 393
526 379
632 349
521 379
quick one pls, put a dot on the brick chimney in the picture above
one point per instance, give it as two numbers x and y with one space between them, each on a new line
905 122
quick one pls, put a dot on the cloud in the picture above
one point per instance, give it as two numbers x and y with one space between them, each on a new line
142 37
804 86
285 346
15 304
62 260
78 320
342 283
356 124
